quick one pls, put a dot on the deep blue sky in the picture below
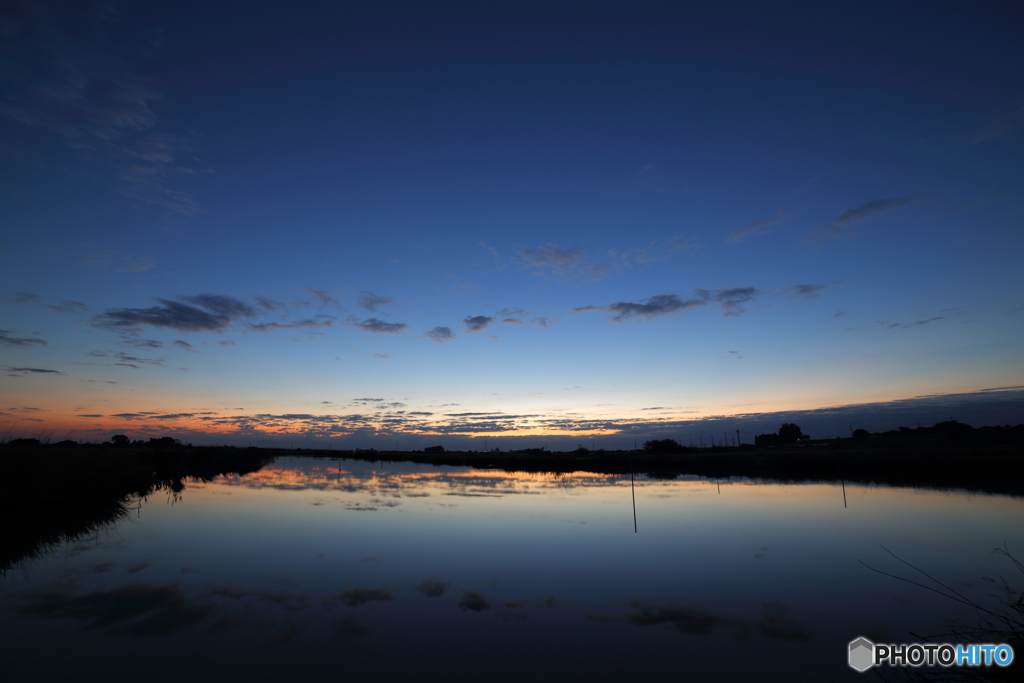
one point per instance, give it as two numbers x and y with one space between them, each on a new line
374 220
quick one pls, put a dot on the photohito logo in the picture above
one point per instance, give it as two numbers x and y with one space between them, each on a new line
863 654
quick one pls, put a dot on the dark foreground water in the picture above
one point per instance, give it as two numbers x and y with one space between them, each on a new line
317 569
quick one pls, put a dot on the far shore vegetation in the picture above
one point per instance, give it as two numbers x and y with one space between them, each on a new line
64 490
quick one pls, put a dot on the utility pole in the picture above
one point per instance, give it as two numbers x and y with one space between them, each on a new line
737 437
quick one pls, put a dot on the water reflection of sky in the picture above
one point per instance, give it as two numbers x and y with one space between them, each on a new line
387 569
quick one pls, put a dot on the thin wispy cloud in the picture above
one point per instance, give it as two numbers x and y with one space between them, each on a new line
63 75
653 307
14 372
69 307
554 262
762 227
371 301
1003 126
896 326
807 292
205 312
732 302
324 298
7 339
378 326
654 252
840 225
873 208
118 261
143 343
19 298
316 321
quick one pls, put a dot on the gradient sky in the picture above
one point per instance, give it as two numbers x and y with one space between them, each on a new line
413 223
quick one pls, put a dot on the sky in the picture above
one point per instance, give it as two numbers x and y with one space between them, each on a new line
403 224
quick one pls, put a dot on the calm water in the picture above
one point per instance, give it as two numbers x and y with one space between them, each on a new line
339 569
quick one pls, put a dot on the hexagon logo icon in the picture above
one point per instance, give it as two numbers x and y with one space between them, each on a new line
862 654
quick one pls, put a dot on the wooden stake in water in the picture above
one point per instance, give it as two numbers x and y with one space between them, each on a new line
632 490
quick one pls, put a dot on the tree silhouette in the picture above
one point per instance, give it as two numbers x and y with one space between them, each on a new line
120 440
663 446
789 432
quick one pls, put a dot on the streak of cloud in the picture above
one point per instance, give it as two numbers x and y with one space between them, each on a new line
371 301
20 298
732 301
69 307
205 312
557 263
840 225
807 292
378 326
7 340
63 76
762 227
1001 127
40 371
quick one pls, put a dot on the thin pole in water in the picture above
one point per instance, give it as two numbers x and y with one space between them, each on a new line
844 491
632 490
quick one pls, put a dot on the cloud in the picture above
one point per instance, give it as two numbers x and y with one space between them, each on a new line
269 305
321 296
21 371
432 587
205 312
378 326
184 345
358 596
888 324
1001 127
124 358
653 252
227 342
762 227
371 301
839 226
144 343
477 323
868 209
807 292
20 298
321 320
561 264
471 600
441 334
8 340
69 307
116 260
65 75
731 300
655 306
